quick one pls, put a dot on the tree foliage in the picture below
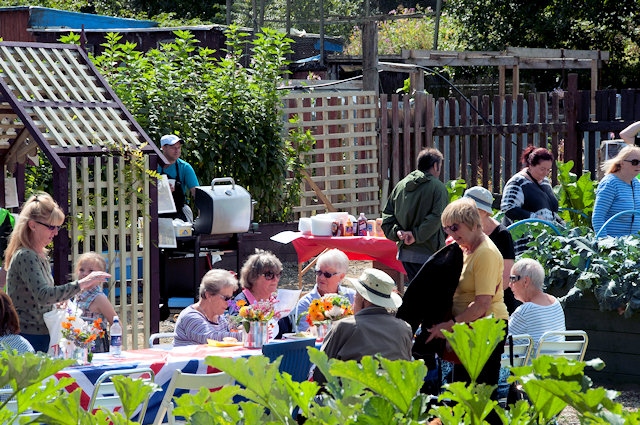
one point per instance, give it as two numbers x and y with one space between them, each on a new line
583 25
227 113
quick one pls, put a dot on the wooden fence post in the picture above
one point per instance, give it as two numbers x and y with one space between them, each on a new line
571 151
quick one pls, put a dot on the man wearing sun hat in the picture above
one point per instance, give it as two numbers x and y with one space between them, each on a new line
373 329
181 172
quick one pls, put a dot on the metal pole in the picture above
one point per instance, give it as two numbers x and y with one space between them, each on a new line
321 32
437 24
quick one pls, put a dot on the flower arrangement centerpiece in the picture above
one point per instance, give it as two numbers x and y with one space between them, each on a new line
328 308
81 333
254 319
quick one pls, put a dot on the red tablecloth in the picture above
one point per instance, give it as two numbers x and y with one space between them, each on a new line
365 248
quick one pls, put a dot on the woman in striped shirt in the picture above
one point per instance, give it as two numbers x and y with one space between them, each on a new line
619 190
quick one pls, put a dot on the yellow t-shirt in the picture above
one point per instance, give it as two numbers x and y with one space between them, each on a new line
481 275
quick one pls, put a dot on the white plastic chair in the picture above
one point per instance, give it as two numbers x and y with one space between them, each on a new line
569 344
164 345
522 349
187 381
105 395
12 405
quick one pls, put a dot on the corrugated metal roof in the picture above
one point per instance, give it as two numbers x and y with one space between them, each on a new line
51 94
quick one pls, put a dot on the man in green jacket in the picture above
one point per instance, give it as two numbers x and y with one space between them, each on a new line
412 214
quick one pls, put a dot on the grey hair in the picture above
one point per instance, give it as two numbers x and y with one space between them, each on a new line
215 280
531 268
336 258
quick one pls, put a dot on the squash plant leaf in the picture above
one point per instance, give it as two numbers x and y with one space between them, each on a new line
474 345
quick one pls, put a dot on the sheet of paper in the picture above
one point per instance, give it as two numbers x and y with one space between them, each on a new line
165 197
10 193
286 237
287 300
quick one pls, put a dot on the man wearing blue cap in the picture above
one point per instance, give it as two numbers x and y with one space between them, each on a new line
181 172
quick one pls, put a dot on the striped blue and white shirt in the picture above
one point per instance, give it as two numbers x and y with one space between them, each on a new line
614 195
534 320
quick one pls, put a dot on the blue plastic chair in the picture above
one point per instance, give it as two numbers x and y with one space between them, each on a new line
295 357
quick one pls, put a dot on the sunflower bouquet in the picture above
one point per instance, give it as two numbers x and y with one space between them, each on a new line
329 308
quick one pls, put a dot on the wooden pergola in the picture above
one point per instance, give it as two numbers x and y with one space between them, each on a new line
53 99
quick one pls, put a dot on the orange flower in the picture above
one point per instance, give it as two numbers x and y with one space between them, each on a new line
241 303
66 325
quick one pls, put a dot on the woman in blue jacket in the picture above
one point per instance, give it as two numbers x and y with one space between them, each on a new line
619 190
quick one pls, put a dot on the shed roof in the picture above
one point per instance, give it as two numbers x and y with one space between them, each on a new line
52 97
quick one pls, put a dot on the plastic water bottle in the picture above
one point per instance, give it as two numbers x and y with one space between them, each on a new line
115 347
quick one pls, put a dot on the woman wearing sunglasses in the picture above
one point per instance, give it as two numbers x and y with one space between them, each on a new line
206 319
259 279
619 190
29 281
540 312
479 292
331 269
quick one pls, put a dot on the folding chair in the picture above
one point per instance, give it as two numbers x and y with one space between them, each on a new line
156 337
105 395
295 357
519 353
569 344
187 381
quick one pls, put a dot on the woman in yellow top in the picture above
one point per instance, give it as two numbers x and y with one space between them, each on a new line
479 291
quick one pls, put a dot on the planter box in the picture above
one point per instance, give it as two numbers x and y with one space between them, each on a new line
612 338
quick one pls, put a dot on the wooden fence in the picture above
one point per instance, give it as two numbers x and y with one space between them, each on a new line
365 145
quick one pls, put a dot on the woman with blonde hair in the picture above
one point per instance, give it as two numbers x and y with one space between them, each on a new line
619 190
29 281
479 292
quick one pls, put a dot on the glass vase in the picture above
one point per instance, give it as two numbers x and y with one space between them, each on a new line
81 355
322 329
256 336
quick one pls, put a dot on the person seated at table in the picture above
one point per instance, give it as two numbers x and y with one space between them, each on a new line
259 278
10 337
206 319
331 269
373 329
540 312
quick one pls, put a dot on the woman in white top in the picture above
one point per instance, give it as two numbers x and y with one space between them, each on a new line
540 312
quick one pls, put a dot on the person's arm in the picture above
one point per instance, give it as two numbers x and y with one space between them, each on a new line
189 178
512 201
390 225
432 224
41 285
629 133
605 194
477 308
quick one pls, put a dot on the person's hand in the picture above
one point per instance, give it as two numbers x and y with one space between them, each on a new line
436 330
406 237
93 279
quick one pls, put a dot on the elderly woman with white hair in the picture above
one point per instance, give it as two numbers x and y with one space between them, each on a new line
539 312
331 269
206 319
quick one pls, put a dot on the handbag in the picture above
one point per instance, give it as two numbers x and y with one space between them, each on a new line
516 391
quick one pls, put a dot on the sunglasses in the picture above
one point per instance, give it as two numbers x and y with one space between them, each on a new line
224 297
271 275
633 162
514 278
451 229
327 275
48 226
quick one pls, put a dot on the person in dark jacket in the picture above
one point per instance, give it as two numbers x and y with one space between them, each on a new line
412 214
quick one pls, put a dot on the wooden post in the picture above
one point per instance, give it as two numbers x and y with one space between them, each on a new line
571 149
502 89
370 56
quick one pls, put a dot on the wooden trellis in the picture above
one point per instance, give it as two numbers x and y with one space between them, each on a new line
344 161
